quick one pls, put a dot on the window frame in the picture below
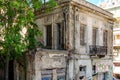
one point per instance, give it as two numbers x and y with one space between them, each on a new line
82 34
61 36
47 34
94 35
105 37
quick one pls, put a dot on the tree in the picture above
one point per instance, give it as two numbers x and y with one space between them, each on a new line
17 27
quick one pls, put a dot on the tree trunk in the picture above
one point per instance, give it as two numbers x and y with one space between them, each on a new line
25 66
7 68
44 2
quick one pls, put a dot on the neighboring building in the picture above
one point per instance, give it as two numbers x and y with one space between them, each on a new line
114 7
77 39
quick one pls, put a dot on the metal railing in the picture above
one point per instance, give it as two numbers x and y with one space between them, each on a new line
97 50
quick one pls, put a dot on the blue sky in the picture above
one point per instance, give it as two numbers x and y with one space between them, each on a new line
94 1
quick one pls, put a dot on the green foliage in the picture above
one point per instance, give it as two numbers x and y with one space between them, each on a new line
16 15
17 28
36 4
50 5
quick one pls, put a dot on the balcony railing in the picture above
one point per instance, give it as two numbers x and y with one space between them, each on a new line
97 50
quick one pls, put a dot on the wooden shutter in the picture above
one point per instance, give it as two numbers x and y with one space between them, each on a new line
61 36
105 33
82 34
94 36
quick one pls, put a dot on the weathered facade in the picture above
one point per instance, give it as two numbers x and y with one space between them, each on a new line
114 7
77 39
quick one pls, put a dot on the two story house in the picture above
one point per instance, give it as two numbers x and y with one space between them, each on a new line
77 43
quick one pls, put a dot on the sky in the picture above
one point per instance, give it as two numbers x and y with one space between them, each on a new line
94 1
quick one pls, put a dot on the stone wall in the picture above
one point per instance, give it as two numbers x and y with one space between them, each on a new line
50 62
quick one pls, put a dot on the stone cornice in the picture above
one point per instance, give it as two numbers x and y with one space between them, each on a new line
56 10
82 4
92 8
88 5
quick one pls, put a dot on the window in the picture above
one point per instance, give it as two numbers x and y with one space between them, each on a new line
82 34
48 36
82 73
46 74
60 36
94 36
94 69
60 74
82 68
46 78
105 34
61 78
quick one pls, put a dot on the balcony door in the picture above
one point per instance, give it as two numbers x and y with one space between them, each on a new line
94 36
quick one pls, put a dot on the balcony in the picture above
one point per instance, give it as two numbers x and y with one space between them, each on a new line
100 51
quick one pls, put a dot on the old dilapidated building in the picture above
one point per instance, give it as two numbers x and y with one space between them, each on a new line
77 39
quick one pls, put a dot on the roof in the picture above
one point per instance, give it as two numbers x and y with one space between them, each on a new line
88 7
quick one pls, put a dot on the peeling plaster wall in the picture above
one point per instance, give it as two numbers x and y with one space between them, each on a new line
53 59
49 59
76 16
90 20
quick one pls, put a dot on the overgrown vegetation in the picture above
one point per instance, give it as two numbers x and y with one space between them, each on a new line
17 28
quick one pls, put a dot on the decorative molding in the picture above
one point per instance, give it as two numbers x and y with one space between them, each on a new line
48 19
